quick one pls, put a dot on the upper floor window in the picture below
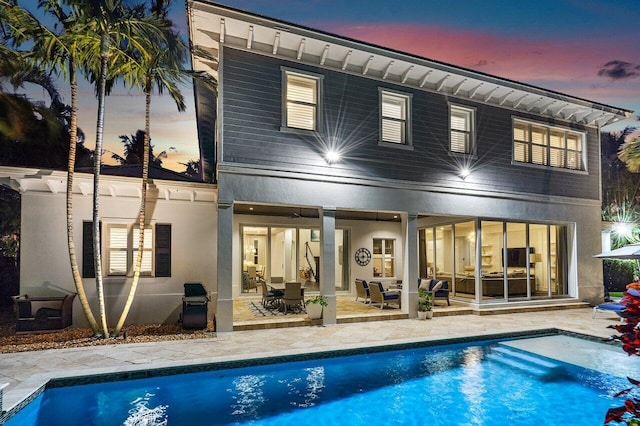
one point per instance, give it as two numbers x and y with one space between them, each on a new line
548 146
461 122
395 111
383 258
301 100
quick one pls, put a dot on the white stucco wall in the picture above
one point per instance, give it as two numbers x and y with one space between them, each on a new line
45 266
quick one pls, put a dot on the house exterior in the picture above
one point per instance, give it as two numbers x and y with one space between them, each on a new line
330 159
401 166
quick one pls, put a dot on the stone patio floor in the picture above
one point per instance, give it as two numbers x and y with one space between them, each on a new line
27 371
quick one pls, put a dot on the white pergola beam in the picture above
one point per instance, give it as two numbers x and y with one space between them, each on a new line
504 97
300 49
325 52
546 107
475 90
365 70
580 117
533 104
276 43
222 31
570 114
596 118
442 81
250 37
52 186
608 120
423 81
345 61
518 101
557 112
458 86
490 93
406 73
386 70
85 188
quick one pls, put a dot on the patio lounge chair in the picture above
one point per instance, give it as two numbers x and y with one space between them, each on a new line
362 290
379 295
617 308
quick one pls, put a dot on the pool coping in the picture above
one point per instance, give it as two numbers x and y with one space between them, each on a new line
41 382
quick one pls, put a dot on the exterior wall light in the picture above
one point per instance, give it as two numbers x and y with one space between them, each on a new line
332 156
464 173
623 229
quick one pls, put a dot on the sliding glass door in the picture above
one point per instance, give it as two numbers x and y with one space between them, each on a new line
512 260
283 254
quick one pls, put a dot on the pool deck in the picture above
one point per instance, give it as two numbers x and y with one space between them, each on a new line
25 372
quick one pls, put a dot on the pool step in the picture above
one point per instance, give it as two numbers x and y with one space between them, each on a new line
526 362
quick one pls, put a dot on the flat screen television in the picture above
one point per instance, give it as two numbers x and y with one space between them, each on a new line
517 257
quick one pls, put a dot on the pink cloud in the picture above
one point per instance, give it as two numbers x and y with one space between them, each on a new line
517 58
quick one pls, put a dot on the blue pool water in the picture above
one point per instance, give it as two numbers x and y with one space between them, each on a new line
472 384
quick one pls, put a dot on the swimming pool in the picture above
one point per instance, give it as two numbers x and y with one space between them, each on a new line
488 383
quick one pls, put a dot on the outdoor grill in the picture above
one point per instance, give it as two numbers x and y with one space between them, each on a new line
195 303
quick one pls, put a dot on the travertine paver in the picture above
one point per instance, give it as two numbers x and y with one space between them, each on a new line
26 371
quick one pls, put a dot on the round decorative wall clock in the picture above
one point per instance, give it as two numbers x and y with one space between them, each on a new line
363 256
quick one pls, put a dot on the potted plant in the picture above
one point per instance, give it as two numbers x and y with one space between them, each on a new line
425 304
314 306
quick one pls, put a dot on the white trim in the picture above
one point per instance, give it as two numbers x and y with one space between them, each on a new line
471 111
406 121
318 78
550 127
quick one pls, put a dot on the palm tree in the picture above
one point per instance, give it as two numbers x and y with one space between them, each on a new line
193 169
58 51
112 27
134 150
162 70
629 153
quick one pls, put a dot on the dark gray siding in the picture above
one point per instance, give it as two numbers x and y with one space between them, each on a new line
252 97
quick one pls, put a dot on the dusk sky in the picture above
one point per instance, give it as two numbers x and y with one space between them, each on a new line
585 48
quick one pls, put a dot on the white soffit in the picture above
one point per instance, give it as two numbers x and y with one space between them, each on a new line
55 182
211 25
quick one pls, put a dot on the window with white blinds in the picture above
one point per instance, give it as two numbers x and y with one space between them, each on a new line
461 121
394 113
301 101
123 249
548 146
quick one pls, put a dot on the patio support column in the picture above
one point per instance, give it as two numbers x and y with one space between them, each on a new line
410 262
328 264
224 300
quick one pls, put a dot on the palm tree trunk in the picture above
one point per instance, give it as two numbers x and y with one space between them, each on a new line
97 257
77 279
141 216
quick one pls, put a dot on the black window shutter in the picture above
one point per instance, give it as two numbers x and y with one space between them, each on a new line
163 250
88 267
